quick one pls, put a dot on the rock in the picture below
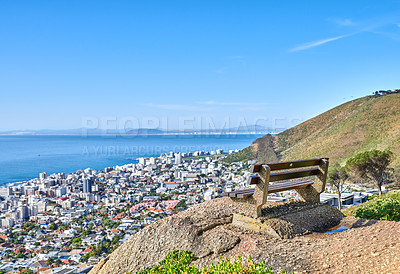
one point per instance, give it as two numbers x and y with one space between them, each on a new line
207 231
290 219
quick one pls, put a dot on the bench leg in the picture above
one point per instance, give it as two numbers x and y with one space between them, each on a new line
312 192
309 194
261 189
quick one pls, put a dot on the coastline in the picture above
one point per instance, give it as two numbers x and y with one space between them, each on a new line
23 157
140 134
134 161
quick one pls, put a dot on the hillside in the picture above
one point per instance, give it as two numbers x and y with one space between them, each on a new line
359 125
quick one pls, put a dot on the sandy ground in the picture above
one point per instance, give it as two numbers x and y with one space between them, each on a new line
368 246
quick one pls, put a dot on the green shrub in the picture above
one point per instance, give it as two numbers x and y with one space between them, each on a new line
179 261
237 266
380 209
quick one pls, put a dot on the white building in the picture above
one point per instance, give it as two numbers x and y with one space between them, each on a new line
178 158
42 176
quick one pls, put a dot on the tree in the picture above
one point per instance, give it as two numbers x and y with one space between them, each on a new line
336 177
76 240
53 226
370 165
396 179
58 262
49 261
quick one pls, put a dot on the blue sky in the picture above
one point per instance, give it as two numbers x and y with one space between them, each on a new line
179 64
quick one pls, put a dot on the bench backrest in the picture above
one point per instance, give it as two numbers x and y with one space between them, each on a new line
278 171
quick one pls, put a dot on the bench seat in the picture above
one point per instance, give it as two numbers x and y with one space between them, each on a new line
246 193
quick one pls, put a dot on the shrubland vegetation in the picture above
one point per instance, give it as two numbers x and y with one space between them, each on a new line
180 261
244 154
380 209
384 207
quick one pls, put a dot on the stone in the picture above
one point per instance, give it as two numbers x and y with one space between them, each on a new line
207 230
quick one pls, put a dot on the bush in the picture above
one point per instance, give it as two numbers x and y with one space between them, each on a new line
237 266
53 226
380 209
179 261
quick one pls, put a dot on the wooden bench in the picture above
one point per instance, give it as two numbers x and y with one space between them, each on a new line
309 189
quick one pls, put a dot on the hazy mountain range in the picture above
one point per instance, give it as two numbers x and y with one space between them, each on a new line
140 131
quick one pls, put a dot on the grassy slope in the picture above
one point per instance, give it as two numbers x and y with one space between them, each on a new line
358 125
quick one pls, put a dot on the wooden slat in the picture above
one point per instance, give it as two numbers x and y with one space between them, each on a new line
255 168
232 194
244 195
293 185
295 164
253 179
290 183
288 165
243 190
293 174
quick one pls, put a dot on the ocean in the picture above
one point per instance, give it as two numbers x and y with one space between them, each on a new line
24 157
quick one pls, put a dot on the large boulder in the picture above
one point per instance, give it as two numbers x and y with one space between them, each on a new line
207 231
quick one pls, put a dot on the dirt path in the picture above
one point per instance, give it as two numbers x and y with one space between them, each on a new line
368 247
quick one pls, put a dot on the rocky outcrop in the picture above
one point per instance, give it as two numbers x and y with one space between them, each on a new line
207 231
262 150
290 219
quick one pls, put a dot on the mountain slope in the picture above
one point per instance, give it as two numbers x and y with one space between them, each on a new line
359 125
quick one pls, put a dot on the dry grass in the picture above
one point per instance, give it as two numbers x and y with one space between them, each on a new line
363 124
371 122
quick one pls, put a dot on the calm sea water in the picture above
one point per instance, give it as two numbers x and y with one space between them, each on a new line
24 157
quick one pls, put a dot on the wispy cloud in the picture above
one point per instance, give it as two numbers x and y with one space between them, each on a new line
237 57
178 107
238 106
390 35
342 22
371 26
252 108
317 43
220 103
220 71
212 105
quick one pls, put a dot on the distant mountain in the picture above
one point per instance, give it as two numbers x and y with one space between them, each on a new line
359 125
144 131
77 131
250 128
139 131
